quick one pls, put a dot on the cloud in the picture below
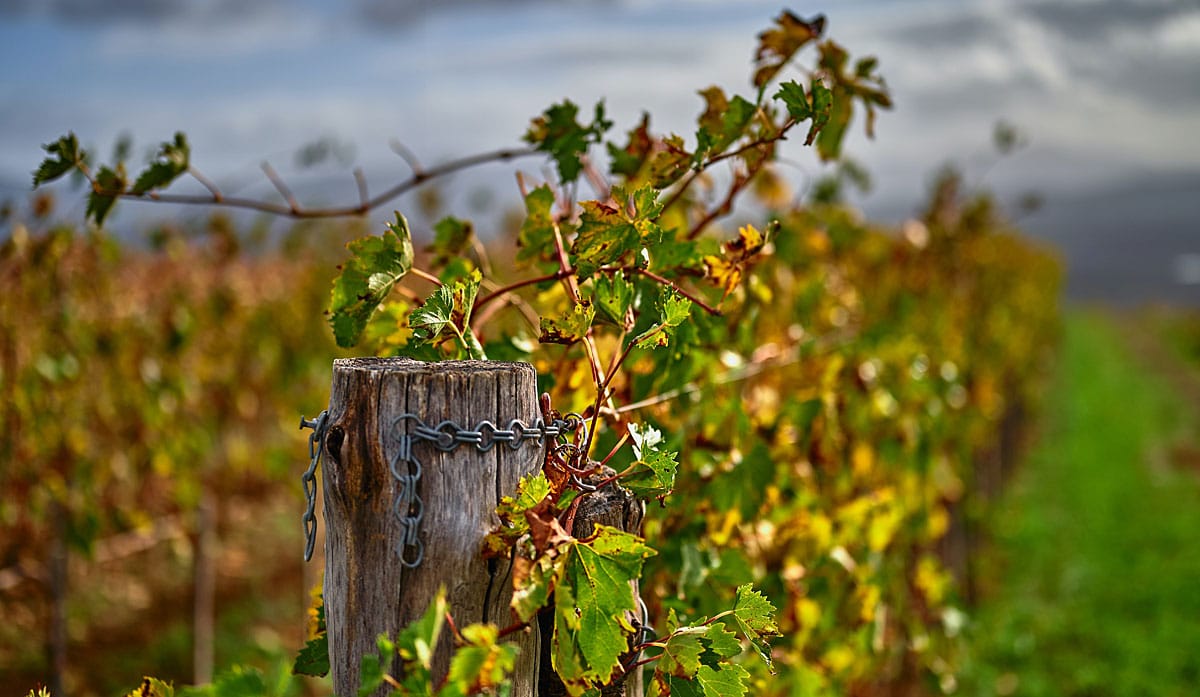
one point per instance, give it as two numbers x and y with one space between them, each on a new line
139 12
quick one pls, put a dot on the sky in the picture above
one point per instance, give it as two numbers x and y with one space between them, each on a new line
1105 92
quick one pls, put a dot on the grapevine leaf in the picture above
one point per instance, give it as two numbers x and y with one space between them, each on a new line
672 161
665 684
627 161
374 666
449 307
724 680
754 616
64 155
793 97
822 104
428 321
725 270
536 238
590 605
531 490
416 642
533 582
152 687
674 309
109 183
681 655
722 642
170 162
367 278
570 327
837 121
481 664
754 613
652 476
605 235
558 132
614 297
451 237
778 44
313 659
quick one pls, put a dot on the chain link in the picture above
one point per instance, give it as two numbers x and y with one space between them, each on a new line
406 469
316 448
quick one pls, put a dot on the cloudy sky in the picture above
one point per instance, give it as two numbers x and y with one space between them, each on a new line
1107 93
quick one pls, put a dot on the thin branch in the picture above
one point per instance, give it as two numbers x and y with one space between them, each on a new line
407 155
361 180
280 186
296 211
677 288
695 173
426 275
505 290
749 371
207 183
726 206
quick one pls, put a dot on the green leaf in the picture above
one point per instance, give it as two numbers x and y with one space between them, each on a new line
536 238
481 664
417 642
721 641
109 183
628 161
607 232
755 614
170 162
531 490
558 132
614 296
569 327
449 307
837 121
152 687
652 476
367 278
591 599
724 680
793 97
451 237
64 156
313 659
822 104
674 309
681 655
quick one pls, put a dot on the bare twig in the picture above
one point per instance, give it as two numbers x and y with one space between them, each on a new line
280 186
407 155
677 288
294 210
361 180
207 183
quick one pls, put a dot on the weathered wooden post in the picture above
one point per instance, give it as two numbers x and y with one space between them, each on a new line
376 583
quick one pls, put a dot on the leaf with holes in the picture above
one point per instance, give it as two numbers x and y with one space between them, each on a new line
64 155
367 278
170 162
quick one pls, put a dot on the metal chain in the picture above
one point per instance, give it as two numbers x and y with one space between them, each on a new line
316 448
408 508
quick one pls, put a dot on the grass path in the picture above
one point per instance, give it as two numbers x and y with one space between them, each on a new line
1095 588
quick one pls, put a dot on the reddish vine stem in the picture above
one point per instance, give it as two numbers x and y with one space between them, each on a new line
695 173
296 210
678 289
726 206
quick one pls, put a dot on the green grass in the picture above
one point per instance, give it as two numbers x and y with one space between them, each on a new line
1095 588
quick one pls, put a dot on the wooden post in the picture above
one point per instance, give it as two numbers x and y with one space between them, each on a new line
367 590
